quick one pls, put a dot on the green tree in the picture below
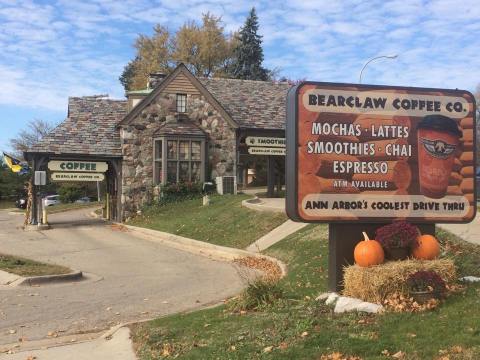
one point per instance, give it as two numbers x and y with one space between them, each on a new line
248 55
11 184
153 54
70 192
203 48
126 79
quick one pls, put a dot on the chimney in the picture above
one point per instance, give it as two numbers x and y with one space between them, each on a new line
154 79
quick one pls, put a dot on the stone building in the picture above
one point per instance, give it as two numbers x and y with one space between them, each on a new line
180 129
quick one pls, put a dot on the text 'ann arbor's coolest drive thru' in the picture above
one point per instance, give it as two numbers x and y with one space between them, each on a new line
378 153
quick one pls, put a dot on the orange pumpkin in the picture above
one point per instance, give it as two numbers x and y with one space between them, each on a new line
368 252
428 248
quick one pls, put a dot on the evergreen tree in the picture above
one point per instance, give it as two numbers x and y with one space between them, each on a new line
249 53
126 79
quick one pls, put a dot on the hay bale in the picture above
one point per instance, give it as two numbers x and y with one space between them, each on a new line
374 283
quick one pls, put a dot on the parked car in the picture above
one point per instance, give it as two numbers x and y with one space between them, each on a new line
21 203
83 200
51 200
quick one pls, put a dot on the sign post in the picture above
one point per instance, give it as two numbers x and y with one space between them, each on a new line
367 155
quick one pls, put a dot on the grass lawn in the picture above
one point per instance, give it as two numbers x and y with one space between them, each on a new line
4 204
298 327
281 194
71 206
26 267
224 222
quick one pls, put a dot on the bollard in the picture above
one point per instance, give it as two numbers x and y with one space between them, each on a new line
206 200
108 205
44 215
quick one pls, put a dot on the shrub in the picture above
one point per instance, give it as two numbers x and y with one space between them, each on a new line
172 193
70 193
426 281
399 234
259 293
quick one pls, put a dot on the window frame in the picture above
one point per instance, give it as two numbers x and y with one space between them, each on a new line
181 103
164 159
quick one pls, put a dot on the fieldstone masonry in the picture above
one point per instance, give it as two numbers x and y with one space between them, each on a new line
137 146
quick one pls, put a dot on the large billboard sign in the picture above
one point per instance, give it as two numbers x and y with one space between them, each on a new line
379 153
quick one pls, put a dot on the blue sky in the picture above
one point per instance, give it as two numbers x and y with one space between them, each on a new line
50 50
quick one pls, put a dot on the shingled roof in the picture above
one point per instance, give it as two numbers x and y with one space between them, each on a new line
179 128
251 104
90 128
243 103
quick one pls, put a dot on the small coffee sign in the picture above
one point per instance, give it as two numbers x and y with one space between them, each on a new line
74 165
379 153
78 176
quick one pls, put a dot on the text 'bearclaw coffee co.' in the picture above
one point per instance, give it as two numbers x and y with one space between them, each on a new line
380 153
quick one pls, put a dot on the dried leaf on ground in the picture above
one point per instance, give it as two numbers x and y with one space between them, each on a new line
270 269
118 227
400 303
339 356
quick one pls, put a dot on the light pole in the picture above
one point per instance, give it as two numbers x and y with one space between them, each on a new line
394 56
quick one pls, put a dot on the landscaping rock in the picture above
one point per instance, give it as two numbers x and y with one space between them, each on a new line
323 297
346 304
332 298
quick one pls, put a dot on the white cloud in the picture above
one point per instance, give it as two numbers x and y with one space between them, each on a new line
62 48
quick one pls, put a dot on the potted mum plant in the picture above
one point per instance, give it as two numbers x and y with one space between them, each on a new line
425 285
397 239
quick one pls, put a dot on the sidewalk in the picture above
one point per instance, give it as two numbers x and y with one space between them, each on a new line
265 204
469 232
277 234
118 347
274 236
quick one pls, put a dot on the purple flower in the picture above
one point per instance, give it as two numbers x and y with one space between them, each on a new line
399 234
426 281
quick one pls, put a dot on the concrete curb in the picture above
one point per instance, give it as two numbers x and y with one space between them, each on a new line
38 280
16 213
212 251
256 204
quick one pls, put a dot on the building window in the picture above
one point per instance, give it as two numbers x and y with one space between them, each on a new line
158 161
178 160
181 103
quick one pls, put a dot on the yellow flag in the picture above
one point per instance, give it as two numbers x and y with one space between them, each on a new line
14 164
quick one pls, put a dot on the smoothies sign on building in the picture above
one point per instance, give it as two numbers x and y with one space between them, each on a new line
378 153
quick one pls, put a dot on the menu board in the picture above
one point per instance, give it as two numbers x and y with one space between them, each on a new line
380 153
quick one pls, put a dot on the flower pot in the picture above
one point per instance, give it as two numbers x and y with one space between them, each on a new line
396 253
422 297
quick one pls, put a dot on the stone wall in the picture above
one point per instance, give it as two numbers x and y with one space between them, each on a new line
137 146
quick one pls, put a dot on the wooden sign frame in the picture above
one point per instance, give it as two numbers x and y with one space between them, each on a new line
294 146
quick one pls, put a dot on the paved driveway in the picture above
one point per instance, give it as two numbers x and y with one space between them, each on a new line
469 232
130 278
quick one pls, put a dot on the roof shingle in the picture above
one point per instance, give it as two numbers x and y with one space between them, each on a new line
90 128
252 104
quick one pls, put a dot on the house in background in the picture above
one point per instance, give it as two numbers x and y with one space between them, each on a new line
180 129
